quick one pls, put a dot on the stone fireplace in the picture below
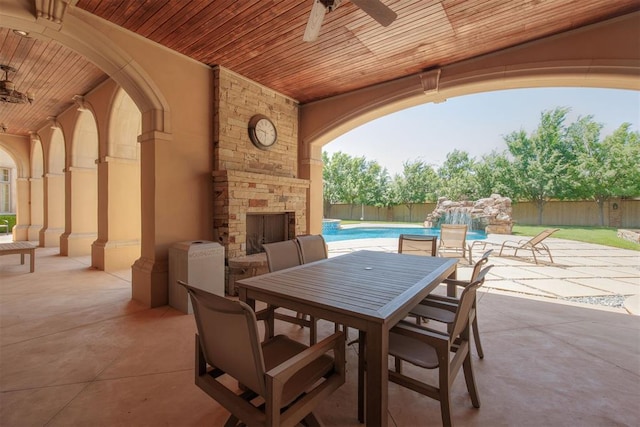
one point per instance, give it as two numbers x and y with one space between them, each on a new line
257 195
251 208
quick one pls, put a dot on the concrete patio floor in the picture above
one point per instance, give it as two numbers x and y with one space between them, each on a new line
75 350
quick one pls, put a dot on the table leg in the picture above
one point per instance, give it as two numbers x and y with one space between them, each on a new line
32 259
22 258
377 378
451 288
361 374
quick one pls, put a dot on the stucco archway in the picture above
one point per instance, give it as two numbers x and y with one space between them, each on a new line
605 55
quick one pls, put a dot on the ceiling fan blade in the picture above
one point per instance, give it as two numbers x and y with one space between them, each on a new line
315 21
377 10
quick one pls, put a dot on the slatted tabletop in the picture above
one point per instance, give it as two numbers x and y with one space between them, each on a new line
367 290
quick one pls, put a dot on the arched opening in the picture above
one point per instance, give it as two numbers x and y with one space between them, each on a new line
81 188
474 125
119 214
53 191
8 177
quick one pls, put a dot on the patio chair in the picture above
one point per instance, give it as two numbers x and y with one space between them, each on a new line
281 255
437 307
312 247
535 244
431 349
286 254
280 381
416 244
452 240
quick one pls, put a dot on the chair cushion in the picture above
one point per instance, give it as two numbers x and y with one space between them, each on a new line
413 351
281 348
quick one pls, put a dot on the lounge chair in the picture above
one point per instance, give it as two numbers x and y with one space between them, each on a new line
535 245
453 241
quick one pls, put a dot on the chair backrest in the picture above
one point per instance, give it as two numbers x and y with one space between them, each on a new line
478 266
281 255
312 248
416 244
541 236
228 334
467 300
453 235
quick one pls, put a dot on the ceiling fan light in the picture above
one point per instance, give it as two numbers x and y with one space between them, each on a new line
8 92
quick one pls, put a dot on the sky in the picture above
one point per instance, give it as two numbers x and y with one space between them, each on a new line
478 123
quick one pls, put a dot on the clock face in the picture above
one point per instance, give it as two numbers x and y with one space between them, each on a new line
262 132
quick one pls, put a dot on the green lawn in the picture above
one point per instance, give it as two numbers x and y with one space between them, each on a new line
600 235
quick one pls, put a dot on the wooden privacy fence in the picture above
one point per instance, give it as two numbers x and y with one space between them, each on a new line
618 213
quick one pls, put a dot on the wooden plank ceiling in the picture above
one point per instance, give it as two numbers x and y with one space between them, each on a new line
262 40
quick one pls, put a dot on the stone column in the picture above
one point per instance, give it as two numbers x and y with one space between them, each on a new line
81 222
53 186
37 209
150 272
118 243
310 168
23 210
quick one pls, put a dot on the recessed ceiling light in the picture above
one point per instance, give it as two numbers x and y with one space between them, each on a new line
21 33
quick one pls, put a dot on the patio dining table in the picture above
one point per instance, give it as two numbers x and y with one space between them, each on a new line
366 290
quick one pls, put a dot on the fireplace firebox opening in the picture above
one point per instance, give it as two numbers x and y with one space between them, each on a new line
267 228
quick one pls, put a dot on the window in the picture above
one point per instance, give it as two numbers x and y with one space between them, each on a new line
5 190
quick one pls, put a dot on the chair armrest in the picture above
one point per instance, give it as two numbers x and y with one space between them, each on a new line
283 372
444 305
442 298
461 283
437 339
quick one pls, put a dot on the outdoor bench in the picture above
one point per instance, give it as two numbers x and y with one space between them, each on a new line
21 248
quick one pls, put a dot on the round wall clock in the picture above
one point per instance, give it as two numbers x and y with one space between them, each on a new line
262 132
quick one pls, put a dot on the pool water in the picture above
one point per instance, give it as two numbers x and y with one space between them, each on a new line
389 232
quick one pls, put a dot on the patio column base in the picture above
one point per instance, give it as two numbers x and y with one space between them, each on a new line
149 282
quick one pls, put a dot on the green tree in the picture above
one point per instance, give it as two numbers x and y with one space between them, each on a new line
493 174
352 180
541 162
334 173
371 182
417 184
457 179
605 169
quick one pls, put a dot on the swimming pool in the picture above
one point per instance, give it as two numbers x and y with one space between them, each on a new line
352 233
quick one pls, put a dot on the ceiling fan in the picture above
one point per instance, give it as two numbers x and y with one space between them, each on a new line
375 8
